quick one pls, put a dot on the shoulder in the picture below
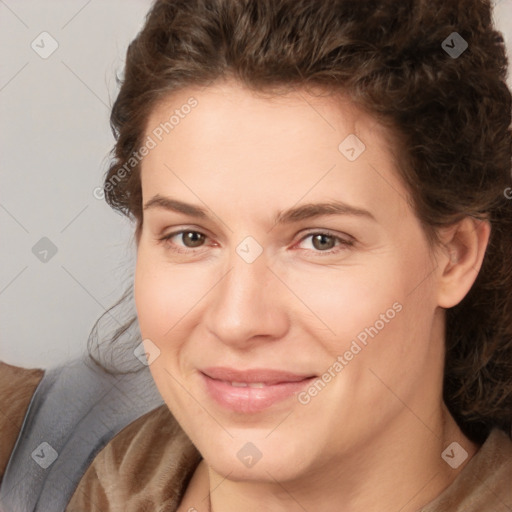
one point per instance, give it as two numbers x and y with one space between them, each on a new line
17 385
146 466
484 484
493 471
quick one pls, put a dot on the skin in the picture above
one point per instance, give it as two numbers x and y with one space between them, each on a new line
243 157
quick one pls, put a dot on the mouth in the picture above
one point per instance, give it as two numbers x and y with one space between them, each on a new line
253 390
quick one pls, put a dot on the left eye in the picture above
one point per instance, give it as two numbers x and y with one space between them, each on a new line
324 242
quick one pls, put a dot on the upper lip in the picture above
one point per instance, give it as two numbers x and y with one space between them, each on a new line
263 375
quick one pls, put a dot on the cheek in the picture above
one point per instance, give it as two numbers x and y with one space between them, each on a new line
169 299
151 297
162 294
343 302
164 299
385 307
393 327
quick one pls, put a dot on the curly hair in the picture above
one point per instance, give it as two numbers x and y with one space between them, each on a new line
448 115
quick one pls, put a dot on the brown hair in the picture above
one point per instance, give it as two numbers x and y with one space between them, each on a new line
449 115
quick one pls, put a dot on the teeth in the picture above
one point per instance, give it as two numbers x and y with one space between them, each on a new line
247 384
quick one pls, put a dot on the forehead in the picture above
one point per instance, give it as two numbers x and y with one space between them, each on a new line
262 149
227 108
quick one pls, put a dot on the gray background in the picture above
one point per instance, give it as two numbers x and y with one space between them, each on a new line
54 144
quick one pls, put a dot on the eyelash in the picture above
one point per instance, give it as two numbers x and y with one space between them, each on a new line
343 243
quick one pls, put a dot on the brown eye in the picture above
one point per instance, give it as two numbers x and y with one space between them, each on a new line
323 241
192 238
189 240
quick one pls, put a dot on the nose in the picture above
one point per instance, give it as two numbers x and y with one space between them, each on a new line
248 305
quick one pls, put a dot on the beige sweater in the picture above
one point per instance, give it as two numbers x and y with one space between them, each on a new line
147 466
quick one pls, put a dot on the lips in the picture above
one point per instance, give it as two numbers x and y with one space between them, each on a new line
252 390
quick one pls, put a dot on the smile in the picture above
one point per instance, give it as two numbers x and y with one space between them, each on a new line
251 391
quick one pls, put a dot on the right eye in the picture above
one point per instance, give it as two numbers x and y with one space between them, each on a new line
191 239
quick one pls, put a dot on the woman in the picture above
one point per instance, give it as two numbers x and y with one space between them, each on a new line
324 245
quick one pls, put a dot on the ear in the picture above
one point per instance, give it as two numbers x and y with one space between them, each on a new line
460 258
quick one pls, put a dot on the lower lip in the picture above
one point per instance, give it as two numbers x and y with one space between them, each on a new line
251 400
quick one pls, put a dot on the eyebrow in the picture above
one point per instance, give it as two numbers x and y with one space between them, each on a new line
295 214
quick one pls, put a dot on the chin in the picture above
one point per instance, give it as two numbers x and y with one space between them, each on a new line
264 461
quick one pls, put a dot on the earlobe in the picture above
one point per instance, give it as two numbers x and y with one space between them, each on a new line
460 259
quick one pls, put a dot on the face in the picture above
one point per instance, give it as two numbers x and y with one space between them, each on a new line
283 283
